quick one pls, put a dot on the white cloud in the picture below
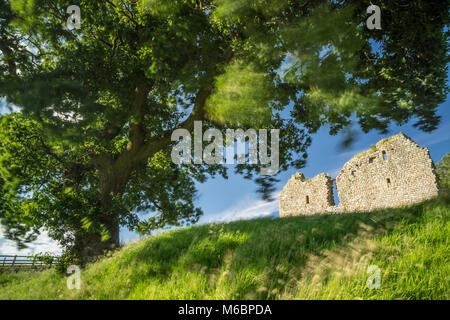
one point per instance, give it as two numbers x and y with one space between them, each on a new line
249 208
43 244
6 108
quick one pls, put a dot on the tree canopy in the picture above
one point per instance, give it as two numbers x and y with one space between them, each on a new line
90 147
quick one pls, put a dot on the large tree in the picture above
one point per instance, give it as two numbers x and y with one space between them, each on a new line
90 147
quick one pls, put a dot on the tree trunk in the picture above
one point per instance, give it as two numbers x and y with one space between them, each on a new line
89 245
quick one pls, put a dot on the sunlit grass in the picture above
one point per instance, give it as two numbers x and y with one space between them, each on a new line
315 257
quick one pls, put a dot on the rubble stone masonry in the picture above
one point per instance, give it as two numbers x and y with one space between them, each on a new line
393 173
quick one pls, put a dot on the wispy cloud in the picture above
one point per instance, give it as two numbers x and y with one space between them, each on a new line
43 244
428 139
248 208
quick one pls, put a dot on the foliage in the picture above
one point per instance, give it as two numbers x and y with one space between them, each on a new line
309 257
90 147
60 263
66 260
443 171
45 258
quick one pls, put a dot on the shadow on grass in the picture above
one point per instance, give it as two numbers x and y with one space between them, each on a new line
261 258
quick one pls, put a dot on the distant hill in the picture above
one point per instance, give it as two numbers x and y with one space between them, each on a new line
309 257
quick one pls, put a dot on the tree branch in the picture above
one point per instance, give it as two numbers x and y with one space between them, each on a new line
123 12
157 143
7 52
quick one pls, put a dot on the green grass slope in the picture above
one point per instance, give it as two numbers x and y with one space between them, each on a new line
314 257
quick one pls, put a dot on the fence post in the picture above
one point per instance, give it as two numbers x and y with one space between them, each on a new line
9 262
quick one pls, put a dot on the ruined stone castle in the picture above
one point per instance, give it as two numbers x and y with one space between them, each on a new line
393 173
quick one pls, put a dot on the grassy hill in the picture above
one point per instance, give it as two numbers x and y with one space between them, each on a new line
314 257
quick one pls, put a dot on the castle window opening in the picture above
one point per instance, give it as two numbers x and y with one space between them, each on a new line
384 155
388 181
307 200
371 159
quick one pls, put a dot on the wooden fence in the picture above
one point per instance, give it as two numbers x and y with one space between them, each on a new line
25 263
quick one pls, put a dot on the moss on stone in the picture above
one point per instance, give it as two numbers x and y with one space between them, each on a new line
372 150
389 140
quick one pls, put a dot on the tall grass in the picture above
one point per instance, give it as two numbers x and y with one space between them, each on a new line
310 257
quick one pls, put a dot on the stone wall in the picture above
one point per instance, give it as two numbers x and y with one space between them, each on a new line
309 196
393 173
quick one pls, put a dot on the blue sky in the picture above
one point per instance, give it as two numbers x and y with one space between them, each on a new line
219 196
236 198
